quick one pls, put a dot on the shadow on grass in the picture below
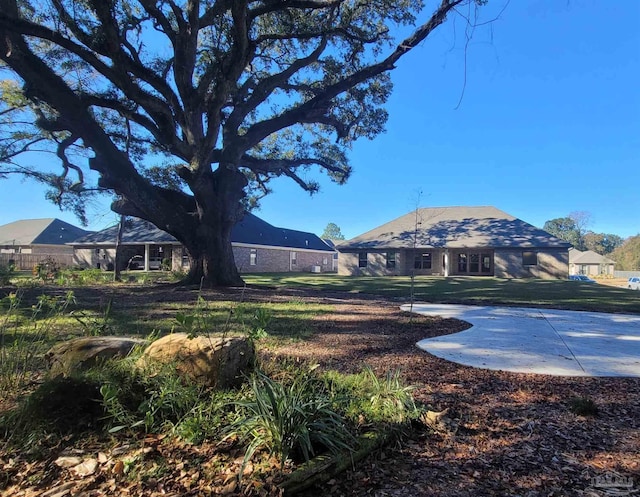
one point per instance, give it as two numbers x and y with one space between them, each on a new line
560 294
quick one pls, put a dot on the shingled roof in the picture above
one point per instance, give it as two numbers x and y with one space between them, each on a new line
47 231
454 227
587 257
250 230
136 232
253 230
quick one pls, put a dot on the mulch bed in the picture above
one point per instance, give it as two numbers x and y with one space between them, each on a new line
504 434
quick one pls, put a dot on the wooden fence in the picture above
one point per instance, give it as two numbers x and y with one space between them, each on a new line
626 274
26 262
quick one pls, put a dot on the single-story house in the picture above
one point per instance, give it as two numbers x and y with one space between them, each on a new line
27 242
332 245
456 241
589 262
257 247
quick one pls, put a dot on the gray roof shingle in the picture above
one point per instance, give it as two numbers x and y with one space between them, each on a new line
587 257
455 227
136 232
253 230
250 230
47 231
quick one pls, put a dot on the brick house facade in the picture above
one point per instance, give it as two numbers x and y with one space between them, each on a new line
258 247
456 241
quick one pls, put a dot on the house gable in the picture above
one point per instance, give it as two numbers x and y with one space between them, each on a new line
587 257
47 231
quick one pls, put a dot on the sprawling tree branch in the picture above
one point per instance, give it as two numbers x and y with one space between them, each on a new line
318 104
237 91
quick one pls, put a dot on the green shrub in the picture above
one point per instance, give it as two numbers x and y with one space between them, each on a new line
79 276
583 406
47 270
208 418
24 339
374 400
152 399
7 272
95 325
177 275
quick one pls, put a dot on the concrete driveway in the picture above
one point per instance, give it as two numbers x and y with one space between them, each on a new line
546 341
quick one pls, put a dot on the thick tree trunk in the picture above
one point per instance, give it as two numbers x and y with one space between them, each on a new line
211 257
219 207
202 223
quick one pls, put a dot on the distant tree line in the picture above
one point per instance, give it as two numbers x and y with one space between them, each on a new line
574 229
627 256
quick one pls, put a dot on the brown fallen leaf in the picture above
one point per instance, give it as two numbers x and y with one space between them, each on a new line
228 488
67 461
118 468
86 468
248 469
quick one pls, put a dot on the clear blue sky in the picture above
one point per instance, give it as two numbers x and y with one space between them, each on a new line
549 123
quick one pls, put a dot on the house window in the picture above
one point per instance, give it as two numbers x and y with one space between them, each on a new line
253 257
462 263
474 263
486 263
422 261
294 258
325 261
529 258
391 260
362 259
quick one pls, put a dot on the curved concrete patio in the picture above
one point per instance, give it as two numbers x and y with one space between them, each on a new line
545 341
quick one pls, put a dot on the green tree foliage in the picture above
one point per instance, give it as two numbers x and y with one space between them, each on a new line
564 228
573 229
332 232
602 243
627 256
228 94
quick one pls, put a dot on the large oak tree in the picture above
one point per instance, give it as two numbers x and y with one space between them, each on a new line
219 96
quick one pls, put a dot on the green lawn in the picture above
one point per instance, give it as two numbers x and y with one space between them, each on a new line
562 294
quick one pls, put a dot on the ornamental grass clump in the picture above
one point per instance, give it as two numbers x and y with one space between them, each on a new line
287 420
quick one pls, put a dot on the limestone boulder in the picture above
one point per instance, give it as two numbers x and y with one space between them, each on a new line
214 362
81 353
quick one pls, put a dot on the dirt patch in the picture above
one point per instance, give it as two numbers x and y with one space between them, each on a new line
506 434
